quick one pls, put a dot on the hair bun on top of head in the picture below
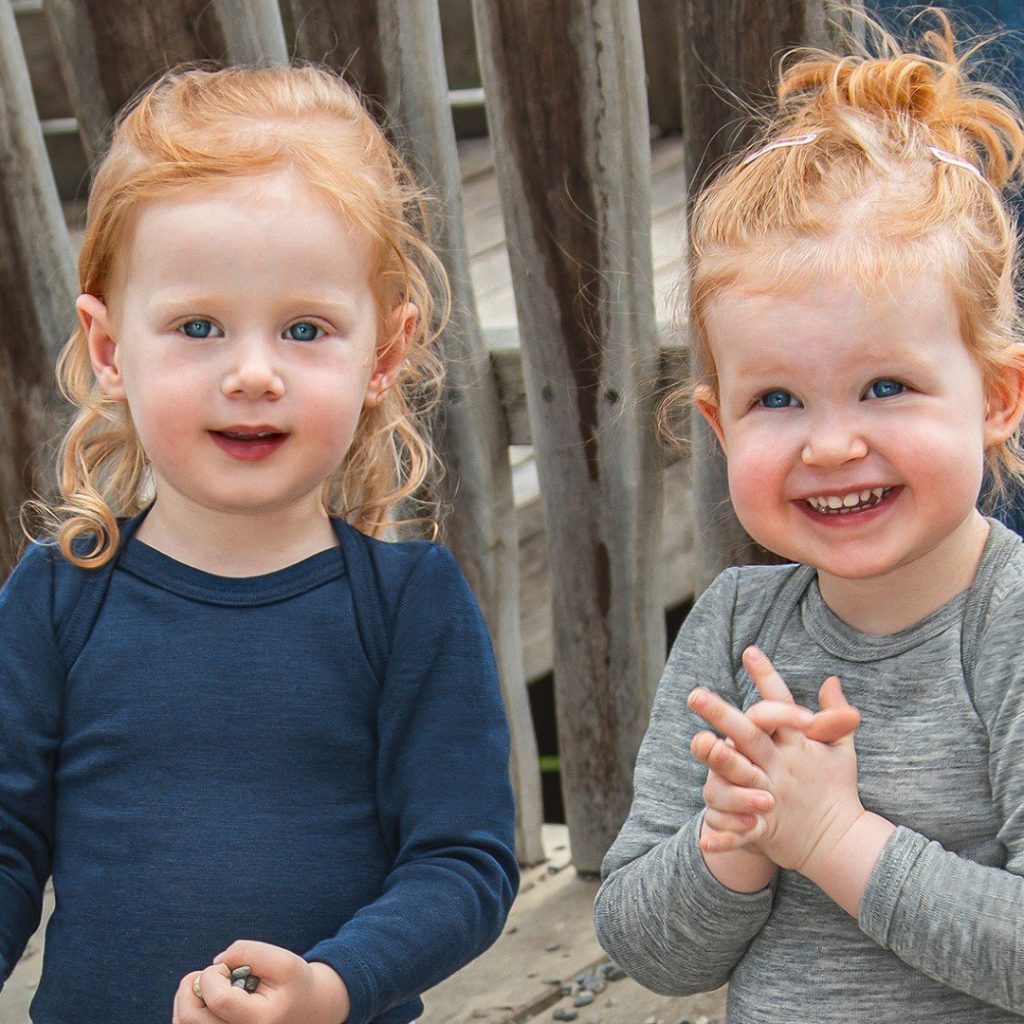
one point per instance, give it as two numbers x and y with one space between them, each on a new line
926 97
875 169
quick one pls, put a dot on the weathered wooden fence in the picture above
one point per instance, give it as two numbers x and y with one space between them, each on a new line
566 102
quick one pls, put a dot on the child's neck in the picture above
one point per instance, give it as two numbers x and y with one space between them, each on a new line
236 545
909 593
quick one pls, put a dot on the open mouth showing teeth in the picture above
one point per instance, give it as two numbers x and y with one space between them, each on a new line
844 504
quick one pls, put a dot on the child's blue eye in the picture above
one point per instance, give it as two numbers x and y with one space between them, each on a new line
303 331
885 388
777 399
200 329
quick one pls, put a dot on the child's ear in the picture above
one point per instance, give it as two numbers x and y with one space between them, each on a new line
707 404
401 324
95 318
1004 403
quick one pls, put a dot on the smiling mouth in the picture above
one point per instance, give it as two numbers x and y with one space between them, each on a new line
845 504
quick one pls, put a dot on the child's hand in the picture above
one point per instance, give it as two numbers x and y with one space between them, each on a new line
735 789
291 991
770 786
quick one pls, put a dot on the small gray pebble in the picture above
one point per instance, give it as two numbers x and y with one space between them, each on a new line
583 999
597 986
251 983
685 1020
552 981
241 972
238 983
561 1014
552 946
615 973
553 869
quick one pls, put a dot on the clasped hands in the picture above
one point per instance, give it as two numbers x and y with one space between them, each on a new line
782 780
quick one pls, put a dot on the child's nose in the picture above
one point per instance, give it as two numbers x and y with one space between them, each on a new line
254 372
832 443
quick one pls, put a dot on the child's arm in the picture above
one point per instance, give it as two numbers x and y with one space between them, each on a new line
660 912
31 689
444 798
952 918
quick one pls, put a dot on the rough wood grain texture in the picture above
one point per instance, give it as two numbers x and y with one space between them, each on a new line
392 49
728 60
109 49
568 117
37 289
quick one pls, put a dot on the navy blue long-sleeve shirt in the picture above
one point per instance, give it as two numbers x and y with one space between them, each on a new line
225 760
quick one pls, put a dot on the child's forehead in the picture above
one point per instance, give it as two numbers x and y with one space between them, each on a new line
253 223
770 298
826 322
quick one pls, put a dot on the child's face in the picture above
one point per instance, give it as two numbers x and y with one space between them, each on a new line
242 330
829 399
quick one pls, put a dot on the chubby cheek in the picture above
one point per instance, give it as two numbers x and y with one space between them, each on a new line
757 473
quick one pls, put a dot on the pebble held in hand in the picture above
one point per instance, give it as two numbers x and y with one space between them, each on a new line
241 977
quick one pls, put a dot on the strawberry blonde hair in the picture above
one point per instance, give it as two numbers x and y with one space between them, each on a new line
856 193
193 129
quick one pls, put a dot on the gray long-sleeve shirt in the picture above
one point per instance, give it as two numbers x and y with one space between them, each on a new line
940 752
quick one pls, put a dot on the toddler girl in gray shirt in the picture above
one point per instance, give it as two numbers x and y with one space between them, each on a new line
852 299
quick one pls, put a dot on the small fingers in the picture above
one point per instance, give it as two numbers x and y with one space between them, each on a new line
714 841
749 740
833 725
722 821
722 758
769 683
837 718
189 1005
771 715
720 796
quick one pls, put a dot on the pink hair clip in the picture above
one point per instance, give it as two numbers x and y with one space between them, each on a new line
792 140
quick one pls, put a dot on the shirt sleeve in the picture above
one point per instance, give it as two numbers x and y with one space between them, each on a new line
660 913
445 802
31 686
955 920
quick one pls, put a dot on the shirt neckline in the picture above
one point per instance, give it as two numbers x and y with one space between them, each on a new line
841 639
152 566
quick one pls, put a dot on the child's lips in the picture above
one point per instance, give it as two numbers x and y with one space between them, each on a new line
249 444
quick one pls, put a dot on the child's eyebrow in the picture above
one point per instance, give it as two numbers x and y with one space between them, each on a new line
337 302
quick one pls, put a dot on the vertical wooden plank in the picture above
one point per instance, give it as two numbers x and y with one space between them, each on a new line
392 50
568 115
109 49
727 52
37 289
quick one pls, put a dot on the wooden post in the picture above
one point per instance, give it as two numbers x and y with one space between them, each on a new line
37 290
392 50
568 115
109 49
729 51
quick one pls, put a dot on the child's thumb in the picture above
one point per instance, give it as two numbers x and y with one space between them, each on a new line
838 719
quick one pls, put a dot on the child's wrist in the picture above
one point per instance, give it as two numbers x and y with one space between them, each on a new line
842 866
746 869
331 993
